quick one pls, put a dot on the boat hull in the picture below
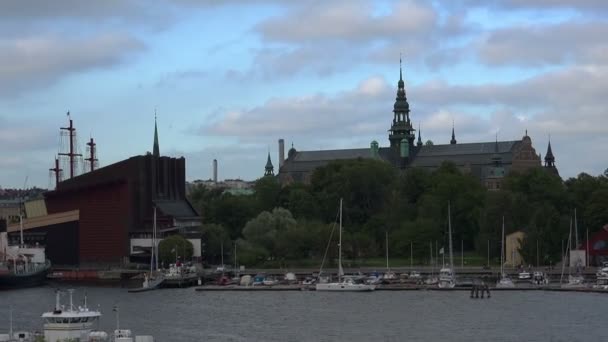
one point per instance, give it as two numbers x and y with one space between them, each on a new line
345 287
13 281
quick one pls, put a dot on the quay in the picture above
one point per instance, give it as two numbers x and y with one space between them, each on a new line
393 287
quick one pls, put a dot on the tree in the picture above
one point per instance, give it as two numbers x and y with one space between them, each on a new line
172 246
262 232
267 190
216 238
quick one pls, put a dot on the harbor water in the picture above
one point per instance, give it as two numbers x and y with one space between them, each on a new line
183 315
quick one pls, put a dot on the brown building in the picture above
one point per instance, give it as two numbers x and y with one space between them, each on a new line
112 207
488 161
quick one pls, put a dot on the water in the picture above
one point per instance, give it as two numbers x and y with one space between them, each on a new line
184 315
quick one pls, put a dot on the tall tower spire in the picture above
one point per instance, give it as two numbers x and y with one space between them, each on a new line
269 169
155 149
419 143
401 128
453 141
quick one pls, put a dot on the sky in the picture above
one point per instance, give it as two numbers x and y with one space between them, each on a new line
228 78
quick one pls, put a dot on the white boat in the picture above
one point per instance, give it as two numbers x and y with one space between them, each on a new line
574 280
447 277
155 278
389 275
540 278
72 323
269 281
504 281
343 284
524 275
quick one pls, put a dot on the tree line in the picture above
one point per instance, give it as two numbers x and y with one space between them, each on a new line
283 225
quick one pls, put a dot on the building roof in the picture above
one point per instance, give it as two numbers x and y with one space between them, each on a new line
176 208
462 154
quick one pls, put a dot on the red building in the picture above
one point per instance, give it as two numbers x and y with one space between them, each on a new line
112 206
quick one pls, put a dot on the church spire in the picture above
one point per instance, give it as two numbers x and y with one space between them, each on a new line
419 143
269 169
453 141
155 149
549 158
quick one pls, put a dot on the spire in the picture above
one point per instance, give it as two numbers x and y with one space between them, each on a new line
419 143
155 149
269 169
496 157
400 70
549 158
453 141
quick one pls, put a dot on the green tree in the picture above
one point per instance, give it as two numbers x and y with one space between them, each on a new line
262 231
216 238
174 245
267 190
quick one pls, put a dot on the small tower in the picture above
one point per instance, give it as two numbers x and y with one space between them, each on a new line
453 141
155 148
419 143
550 160
269 169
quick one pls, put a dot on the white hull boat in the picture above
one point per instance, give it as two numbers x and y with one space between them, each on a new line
343 284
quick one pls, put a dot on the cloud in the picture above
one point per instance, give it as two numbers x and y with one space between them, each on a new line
39 61
347 21
324 38
308 115
538 45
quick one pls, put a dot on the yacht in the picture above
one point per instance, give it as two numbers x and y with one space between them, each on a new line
343 283
155 278
524 275
574 280
21 265
72 323
447 277
540 278
504 281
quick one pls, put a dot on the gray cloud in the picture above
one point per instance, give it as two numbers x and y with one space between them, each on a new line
39 61
582 42
347 20
350 112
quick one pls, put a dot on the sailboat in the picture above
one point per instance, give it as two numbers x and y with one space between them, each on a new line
504 281
344 283
574 280
432 279
154 279
447 277
388 275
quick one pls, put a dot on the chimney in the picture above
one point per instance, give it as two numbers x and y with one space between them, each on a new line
215 170
281 153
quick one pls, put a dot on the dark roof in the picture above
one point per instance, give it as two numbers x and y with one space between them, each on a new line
176 208
329 155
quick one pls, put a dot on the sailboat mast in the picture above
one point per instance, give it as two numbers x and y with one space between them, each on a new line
570 248
411 255
155 243
222 252
575 230
340 246
386 233
450 236
502 248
